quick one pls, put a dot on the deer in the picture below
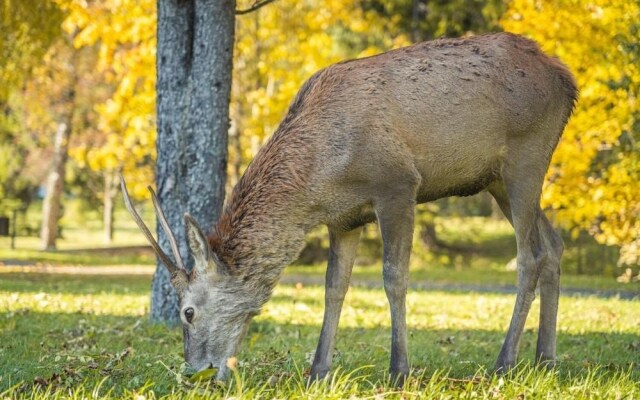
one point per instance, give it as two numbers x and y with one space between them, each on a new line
364 141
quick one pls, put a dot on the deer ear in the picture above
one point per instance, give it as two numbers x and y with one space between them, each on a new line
205 259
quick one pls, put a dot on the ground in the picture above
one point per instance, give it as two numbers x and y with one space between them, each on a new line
74 324
82 335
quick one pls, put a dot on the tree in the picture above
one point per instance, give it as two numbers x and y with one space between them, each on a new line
51 206
27 29
194 59
594 177
50 88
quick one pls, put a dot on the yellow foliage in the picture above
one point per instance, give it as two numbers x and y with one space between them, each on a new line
593 182
125 31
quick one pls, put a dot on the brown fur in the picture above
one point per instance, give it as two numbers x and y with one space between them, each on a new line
271 182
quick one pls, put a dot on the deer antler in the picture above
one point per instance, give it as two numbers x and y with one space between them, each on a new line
178 273
167 228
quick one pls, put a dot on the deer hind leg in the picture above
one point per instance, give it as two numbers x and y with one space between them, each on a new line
548 244
395 218
549 292
341 258
518 197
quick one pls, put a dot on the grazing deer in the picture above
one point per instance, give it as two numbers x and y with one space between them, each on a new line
367 140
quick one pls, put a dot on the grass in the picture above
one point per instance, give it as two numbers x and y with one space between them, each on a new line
78 337
67 336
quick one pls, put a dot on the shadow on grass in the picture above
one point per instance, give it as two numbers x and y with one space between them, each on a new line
65 350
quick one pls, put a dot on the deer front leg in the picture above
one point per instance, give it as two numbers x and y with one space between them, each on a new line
396 226
341 257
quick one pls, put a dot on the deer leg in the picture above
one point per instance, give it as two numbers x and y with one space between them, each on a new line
519 202
341 257
549 276
395 218
528 273
549 284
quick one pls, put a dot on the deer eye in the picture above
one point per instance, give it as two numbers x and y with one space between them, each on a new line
188 314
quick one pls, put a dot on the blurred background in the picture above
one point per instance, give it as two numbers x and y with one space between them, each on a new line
77 108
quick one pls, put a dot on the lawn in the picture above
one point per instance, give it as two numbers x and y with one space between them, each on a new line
82 336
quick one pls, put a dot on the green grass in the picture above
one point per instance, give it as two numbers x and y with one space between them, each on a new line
81 336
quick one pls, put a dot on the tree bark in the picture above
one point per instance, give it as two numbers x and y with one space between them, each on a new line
111 189
55 187
194 60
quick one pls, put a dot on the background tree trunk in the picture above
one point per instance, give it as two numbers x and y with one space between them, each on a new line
111 188
65 108
194 59
55 187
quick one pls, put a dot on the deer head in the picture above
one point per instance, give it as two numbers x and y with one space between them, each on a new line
216 305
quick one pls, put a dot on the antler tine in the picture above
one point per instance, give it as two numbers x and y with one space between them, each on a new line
167 228
156 247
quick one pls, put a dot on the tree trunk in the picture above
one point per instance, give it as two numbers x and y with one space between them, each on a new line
418 13
194 59
111 188
54 187
429 236
51 207
579 252
107 220
415 13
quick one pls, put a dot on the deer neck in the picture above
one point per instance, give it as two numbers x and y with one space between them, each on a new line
263 247
263 227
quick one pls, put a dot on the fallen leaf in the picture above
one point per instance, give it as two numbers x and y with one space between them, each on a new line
204 375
